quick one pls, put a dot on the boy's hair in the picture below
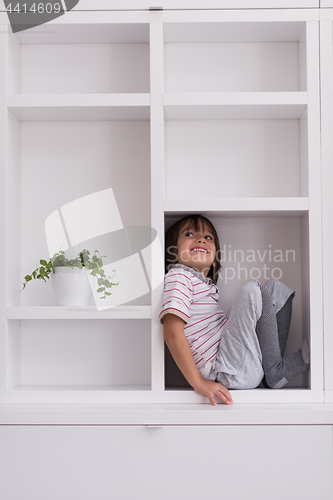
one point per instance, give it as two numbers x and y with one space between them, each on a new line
171 239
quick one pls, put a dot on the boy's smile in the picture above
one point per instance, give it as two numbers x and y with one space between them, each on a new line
196 249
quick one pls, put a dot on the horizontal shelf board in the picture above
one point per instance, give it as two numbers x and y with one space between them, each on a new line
257 396
244 207
75 388
139 395
62 312
63 107
170 414
234 105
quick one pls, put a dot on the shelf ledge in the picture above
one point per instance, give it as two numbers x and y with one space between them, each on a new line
62 312
167 414
234 105
245 207
141 395
74 107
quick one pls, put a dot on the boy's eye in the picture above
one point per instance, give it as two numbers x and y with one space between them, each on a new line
189 233
208 237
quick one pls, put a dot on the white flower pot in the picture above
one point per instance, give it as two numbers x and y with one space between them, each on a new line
71 286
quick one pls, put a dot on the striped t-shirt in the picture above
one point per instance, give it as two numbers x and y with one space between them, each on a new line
194 298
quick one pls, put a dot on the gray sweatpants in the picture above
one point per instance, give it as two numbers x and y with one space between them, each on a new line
238 363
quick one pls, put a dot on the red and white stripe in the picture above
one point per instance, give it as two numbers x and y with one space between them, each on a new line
196 302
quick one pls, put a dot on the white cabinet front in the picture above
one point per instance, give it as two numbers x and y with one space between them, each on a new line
170 462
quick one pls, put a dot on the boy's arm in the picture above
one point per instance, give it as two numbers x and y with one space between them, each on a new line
178 345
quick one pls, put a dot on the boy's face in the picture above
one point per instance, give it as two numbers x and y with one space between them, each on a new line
196 249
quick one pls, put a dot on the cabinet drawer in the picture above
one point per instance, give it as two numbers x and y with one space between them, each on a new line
126 462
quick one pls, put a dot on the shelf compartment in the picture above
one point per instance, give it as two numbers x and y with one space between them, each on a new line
244 158
84 353
245 207
69 160
59 312
74 59
251 57
88 107
263 247
234 105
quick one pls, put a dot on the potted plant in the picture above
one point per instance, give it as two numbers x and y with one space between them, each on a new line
70 281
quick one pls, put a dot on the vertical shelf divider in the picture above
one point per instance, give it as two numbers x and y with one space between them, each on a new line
157 195
314 187
326 73
3 163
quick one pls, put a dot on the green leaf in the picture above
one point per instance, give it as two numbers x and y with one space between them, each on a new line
83 259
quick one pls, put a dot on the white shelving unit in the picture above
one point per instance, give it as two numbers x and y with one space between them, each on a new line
224 109
135 101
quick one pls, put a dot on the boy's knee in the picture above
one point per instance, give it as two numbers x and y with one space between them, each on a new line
279 292
272 282
250 293
250 288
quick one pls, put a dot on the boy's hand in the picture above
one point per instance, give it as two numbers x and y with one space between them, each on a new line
179 347
210 389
